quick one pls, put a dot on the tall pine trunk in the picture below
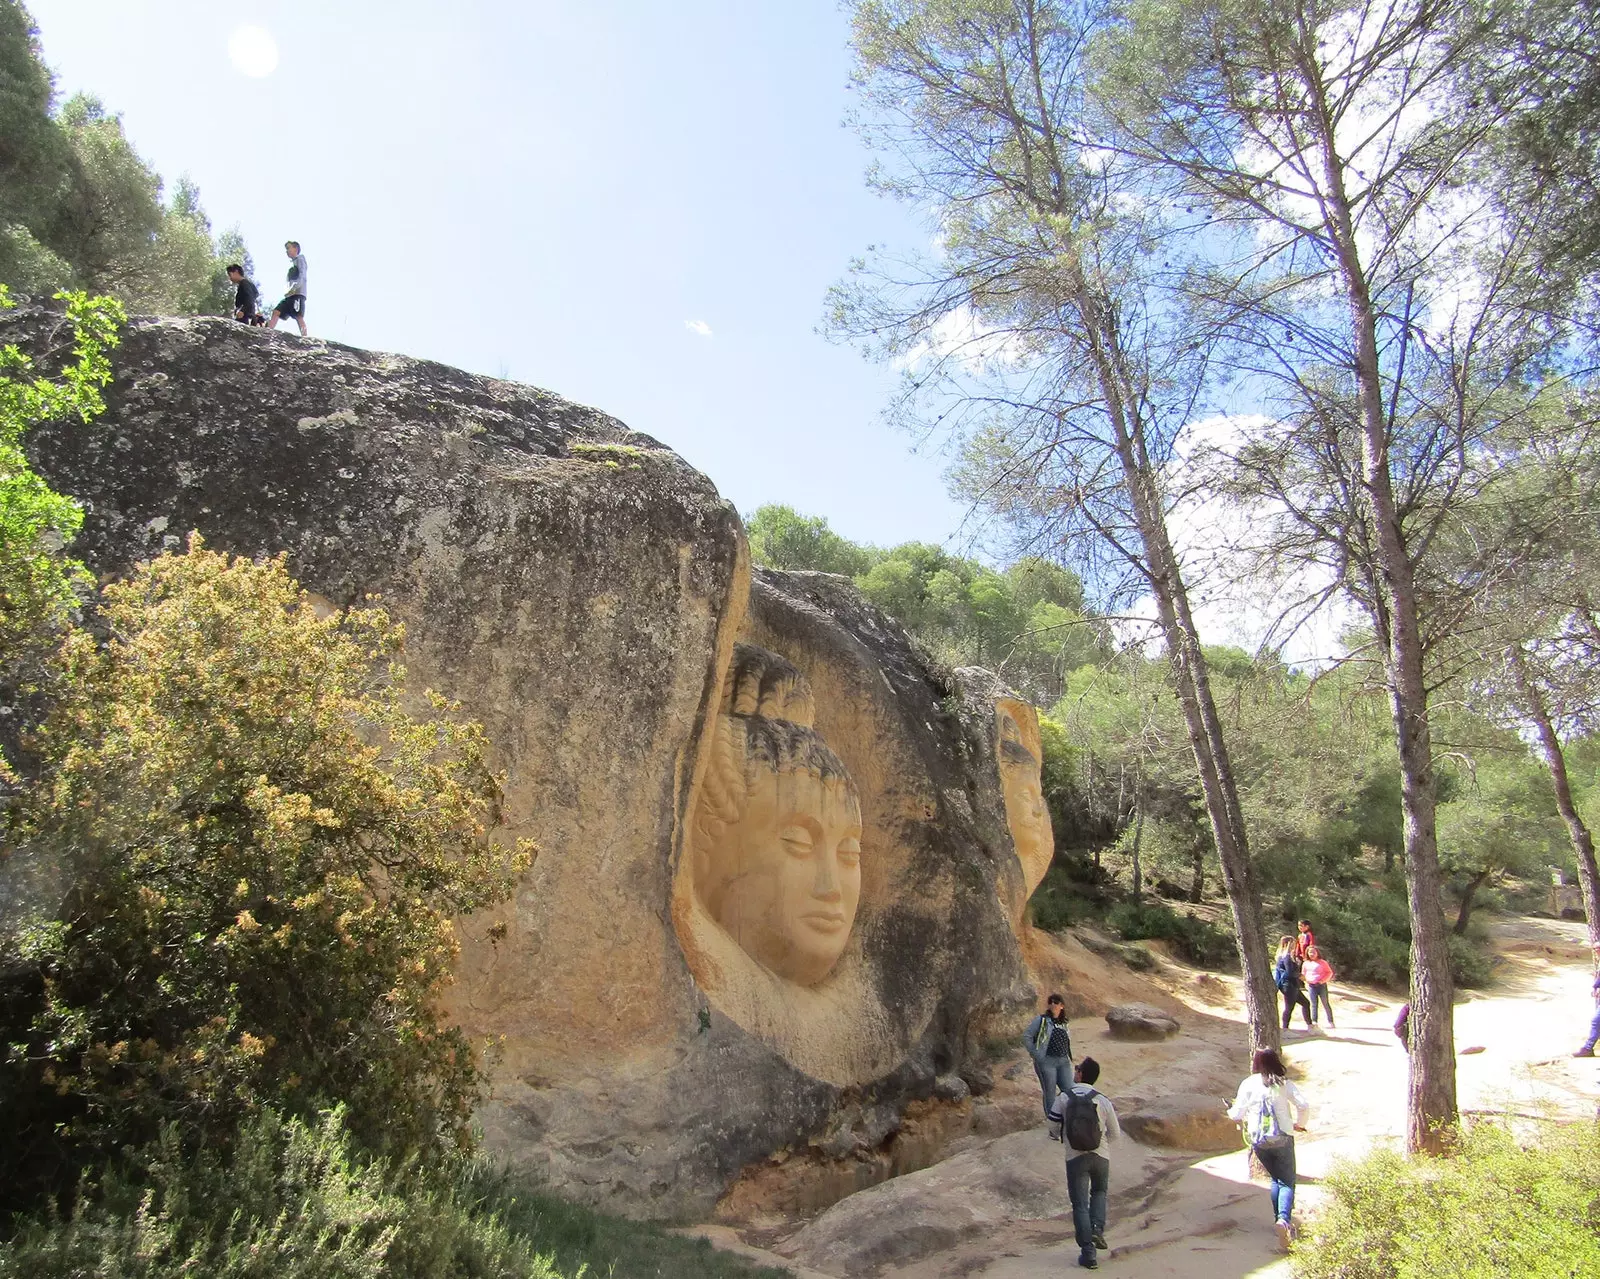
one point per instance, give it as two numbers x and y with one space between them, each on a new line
1190 673
1431 1109
1555 759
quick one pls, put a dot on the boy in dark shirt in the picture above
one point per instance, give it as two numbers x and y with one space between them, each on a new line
246 297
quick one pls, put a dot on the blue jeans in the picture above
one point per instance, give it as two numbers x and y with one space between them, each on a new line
1594 1032
1279 1163
1055 1073
1088 1179
1319 991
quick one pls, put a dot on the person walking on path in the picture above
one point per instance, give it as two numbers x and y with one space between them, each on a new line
1594 1026
1304 939
1272 1110
246 297
1050 1046
1088 1125
294 301
1318 972
1286 976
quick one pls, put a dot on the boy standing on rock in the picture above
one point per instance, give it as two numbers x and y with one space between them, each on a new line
294 301
1050 1046
1088 1125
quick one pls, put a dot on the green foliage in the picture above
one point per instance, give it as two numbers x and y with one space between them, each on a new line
237 879
780 537
33 157
36 522
1366 934
1501 821
80 209
1029 623
292 1197
1196 940
1503 1203
289 1198
117 235
1058 903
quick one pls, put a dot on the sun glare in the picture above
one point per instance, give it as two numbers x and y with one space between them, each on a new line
254 51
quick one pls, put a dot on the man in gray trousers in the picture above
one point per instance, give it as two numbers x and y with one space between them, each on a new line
1050 1046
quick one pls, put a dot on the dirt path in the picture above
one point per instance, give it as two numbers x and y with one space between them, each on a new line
998 1209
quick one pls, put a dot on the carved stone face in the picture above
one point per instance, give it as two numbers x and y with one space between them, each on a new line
1020 785
786 877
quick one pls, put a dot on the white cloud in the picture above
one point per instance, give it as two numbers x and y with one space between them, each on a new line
698 327
960 335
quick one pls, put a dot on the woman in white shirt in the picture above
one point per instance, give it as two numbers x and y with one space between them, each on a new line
1272 1110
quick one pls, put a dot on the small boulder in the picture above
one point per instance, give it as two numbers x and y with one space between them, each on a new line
951 1088
1183 1121
1140 1021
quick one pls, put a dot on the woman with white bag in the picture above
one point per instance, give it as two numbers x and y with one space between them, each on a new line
1272 1110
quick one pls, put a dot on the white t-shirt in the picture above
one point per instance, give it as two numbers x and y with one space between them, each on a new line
1285 1098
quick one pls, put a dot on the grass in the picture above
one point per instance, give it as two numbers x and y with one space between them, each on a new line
613 1247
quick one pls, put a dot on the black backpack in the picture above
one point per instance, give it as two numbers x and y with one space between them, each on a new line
1080 1122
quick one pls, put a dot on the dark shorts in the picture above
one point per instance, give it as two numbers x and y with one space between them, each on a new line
292 307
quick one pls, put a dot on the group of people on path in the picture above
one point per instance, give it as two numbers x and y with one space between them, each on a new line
1301 969
1079 1116
1268 1106
247 297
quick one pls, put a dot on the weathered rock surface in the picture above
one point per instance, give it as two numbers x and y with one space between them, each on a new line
1183 1121
581 590
1013 1178
1140 1021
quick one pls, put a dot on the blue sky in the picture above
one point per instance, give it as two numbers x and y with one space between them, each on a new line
552 190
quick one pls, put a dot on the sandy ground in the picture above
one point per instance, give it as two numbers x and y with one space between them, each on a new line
1199 1217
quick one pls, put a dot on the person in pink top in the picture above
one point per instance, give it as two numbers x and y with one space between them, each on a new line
1318 972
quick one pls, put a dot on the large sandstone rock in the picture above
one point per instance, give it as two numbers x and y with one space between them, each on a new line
782 859
1184 1121
1140 1021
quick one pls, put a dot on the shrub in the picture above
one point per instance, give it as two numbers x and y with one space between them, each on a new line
293 1199
1195 939
1367 936
1058 902
244 861
1498 1206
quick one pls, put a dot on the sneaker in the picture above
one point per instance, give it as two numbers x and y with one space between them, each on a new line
1285 1234
1099 1238
1584 1052
1088 1261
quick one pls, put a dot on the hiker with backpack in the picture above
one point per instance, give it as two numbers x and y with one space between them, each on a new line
1271 1110
1088 1125
1286 977
1050 1045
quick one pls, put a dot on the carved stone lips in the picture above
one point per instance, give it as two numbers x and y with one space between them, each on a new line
824 921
